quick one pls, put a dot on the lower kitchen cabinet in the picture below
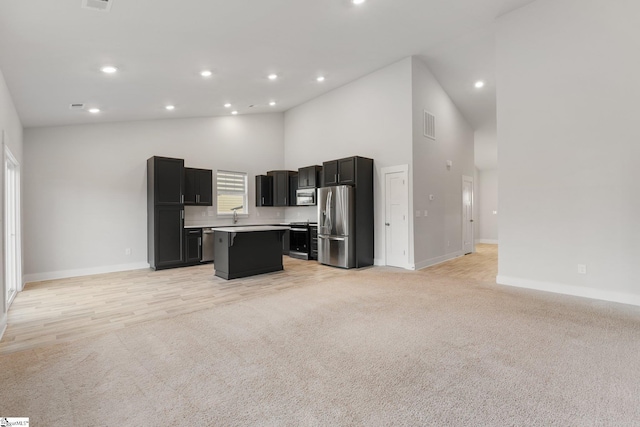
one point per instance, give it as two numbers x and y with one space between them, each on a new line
192 246
166 237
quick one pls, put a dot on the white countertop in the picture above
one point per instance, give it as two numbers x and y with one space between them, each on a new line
251 228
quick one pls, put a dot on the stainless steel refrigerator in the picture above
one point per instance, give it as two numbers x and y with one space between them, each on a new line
336 226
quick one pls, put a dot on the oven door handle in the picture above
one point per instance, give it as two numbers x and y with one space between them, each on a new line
298 229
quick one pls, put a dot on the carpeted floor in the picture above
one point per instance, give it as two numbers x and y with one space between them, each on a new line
376 347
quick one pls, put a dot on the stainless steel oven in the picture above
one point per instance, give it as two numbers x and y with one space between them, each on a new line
306 197
299 242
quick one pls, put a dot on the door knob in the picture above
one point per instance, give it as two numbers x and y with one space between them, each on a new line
387 224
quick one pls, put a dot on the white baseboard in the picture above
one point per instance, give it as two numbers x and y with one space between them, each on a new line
64 274
577 291
433 261
487 241
378 261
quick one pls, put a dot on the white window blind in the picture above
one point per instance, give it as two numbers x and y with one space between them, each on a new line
232 191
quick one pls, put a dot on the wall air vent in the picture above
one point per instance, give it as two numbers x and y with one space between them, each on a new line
99 5
76 106
429 125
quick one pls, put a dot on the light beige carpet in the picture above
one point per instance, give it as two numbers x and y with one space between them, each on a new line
377 347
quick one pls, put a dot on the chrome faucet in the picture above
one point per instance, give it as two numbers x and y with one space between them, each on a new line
235 213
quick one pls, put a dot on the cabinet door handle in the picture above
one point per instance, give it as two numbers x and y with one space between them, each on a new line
197 197
335 178
182 214
199 241
338 177
182 198
263 200
285 200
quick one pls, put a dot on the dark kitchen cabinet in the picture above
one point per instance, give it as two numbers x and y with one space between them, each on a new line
264 190
198 187
168 249
340 172
167 179
309 177
165 212
280 187
293 187
192 245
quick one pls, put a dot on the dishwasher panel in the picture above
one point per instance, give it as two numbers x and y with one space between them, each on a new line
207 244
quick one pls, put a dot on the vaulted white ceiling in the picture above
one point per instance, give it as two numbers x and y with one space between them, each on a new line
51 53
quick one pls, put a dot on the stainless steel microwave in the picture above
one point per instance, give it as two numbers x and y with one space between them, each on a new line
306 197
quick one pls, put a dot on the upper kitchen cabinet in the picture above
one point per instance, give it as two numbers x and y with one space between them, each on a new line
280 187
293 188
198 187
264 190
165 180
345 171
309 177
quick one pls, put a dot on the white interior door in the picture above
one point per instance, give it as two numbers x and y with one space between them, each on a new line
396 219
12 252
467 214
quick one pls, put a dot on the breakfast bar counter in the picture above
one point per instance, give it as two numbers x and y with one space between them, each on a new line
247 251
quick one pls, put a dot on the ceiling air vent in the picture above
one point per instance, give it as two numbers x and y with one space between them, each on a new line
76 106
99 5
429 125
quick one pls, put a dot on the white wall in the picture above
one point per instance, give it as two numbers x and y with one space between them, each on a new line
12 128
369 117
569 147
438 236
486 146
487 202
85 186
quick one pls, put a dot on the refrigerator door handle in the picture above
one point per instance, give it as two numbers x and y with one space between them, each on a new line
336 238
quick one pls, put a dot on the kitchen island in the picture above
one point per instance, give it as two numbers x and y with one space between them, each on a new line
247 251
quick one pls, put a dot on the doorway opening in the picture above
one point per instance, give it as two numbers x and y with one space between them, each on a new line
467 215
12 238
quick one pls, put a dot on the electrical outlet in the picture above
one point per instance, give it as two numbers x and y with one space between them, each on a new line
127 251
582 269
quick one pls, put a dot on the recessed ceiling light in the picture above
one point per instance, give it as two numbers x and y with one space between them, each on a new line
108 69
234 112
227 105
206 73
170 107
320 79
273 76
479 84
272 103
357 1
94 110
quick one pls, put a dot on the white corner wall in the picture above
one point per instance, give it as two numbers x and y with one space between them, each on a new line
567 74
487 201
11 128
85 186
370 117
438 236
